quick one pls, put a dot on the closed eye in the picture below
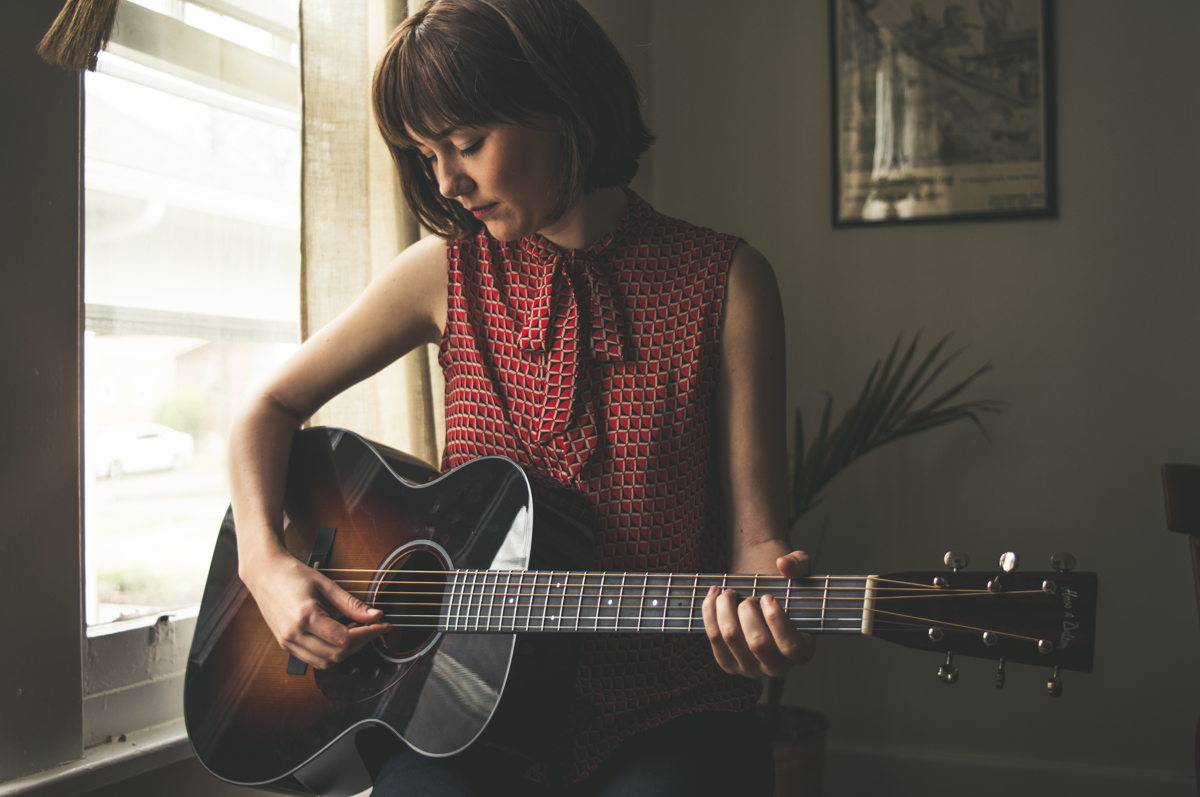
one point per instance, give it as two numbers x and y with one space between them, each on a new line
471 150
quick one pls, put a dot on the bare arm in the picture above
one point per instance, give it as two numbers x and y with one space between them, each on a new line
754 637
402 309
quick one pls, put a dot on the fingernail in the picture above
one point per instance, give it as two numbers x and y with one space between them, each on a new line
375 612
768 599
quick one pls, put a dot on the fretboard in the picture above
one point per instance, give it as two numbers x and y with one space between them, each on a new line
522 601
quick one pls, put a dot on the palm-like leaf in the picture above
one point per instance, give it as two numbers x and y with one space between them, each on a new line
891 405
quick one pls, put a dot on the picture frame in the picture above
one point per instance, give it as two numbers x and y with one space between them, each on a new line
943 110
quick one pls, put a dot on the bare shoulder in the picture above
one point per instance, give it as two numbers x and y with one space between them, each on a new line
429 252
416 281
752 287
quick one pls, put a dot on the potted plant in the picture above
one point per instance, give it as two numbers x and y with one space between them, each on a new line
893 403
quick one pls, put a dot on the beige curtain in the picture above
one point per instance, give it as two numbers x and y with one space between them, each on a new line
354 218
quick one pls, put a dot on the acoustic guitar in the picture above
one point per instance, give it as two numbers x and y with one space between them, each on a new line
478 570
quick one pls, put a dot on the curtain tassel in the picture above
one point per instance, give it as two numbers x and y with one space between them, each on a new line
78 34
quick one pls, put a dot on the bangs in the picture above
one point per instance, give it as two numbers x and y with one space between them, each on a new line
433 80
536 63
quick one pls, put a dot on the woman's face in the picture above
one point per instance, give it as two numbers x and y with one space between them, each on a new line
504 174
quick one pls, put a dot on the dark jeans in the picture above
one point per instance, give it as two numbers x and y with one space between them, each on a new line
703 754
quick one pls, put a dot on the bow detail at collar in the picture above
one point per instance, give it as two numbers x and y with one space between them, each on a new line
576 321
574 289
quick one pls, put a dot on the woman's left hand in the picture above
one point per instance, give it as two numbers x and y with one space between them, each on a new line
753 636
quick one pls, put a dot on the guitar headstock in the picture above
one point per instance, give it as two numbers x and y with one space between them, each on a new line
1045 618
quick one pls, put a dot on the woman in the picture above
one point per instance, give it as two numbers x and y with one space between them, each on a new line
625 355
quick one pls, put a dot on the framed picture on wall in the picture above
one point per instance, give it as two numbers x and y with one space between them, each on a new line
942 110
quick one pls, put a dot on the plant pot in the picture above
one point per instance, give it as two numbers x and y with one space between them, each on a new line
799 742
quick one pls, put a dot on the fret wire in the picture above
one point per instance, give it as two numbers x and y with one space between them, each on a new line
642 603
491 596
599 600
504 598
546 600
461 620
695 600
475 612
824 600
666 602
480 623
620 599
583 596
478 594
520 609
468 598
537 586
562 601
450 600
461 624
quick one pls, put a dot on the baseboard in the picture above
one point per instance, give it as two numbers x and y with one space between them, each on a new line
897 772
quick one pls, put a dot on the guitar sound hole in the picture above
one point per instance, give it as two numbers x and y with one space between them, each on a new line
411 591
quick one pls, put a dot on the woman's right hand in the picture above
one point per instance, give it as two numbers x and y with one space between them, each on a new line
299 605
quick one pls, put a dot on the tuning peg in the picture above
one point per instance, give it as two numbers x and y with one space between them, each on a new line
1063 562
1054 687
956 561
1000 675
948 673
1009 561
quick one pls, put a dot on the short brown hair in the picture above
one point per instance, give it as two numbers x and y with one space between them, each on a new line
475 62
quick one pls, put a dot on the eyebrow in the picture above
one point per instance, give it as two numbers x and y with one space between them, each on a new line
440 135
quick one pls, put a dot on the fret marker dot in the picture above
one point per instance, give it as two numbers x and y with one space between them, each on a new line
610 601
510 600
654 602
553 617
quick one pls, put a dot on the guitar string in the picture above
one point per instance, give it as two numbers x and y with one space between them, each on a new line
677 586
904 623
678 593
915 622
582 574
925 590
589 573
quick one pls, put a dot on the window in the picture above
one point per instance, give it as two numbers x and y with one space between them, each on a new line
191 294
191 281
226 75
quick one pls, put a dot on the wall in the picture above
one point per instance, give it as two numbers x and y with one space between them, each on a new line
39 487
1090 323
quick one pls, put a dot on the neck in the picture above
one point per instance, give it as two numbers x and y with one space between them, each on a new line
587 602
587 220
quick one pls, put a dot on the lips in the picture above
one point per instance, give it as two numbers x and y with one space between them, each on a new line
481 211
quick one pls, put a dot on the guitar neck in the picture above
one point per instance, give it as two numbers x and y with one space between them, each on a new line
523 601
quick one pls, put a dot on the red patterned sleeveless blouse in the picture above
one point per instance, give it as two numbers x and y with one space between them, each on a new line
597 368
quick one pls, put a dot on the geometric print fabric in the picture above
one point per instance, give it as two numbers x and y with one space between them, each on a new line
597 369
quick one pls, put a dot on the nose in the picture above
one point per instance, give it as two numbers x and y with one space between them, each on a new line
452 180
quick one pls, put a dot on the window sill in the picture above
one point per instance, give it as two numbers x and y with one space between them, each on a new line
107 763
